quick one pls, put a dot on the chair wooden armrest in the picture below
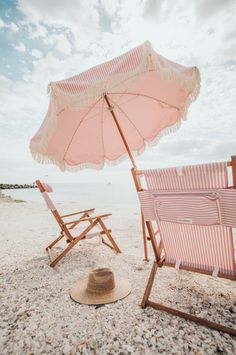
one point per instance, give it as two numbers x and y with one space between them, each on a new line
72 214
87 219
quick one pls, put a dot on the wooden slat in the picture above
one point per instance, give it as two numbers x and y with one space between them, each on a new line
55 241
141 172
87 219
106 231
102 232
75 213
72 244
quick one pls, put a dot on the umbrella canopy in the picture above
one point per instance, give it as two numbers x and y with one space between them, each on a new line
115 108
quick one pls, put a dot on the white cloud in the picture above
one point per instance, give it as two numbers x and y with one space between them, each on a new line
78 19
36 53
152 9
187 32
4 82
38 31
110 6
206 9
12 26
46 69
28 99
20 47
60 42
71 13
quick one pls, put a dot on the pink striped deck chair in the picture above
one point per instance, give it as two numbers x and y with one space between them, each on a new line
195 211
85 227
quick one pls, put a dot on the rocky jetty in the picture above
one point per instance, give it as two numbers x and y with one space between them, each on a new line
16 186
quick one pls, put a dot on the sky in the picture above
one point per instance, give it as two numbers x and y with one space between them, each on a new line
48 40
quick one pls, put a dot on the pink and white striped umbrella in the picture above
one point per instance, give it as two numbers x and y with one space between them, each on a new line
115 108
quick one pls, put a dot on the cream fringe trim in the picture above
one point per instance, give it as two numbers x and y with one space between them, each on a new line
61 100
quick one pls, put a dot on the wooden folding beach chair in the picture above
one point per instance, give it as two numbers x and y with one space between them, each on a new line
195 210
85 227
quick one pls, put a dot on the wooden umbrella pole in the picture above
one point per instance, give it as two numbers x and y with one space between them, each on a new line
138 188
111 109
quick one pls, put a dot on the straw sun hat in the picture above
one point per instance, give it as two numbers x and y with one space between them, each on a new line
100 287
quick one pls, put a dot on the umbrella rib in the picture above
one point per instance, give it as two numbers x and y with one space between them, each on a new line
146 96
79 126
126 80
129 119
125 101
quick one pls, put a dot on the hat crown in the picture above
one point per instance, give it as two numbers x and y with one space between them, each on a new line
101 281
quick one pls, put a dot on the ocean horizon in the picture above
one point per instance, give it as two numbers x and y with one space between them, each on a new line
104 194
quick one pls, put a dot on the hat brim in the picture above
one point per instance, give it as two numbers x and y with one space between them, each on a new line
80 294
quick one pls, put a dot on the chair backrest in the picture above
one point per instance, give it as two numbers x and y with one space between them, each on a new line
195 213
45 189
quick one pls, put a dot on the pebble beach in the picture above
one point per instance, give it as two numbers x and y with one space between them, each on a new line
39 317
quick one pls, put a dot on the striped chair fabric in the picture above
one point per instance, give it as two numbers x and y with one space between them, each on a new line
47 199
49 203
195 211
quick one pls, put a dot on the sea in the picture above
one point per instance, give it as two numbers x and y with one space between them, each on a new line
92 194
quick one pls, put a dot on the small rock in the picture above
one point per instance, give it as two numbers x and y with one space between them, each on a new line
138 339
48 339
116 346
232 309
12 319
66 349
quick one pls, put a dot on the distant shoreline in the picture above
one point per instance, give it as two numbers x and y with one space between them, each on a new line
16 186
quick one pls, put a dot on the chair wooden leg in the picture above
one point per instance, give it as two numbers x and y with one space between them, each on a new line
193 318
55 241
144 238
149 285
65 251
106 231
73 243
146 302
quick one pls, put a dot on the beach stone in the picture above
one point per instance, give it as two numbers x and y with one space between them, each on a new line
160 334
39 317
12 319
66 349
232 309
137 339
116 346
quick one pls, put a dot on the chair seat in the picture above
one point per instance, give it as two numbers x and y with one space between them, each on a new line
94 232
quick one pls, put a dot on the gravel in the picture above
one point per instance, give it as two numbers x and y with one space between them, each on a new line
39 317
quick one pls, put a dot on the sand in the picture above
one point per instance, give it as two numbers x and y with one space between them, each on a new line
39 317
